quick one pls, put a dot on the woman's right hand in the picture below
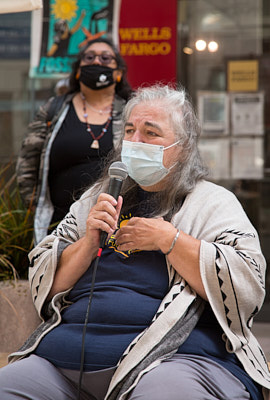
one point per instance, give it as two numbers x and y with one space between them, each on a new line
77 257
103 216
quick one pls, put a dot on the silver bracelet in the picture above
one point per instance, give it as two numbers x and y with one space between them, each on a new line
173 243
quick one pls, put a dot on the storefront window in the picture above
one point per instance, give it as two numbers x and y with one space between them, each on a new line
224 62
19 95
223 59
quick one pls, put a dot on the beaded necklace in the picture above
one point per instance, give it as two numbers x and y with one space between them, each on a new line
95 143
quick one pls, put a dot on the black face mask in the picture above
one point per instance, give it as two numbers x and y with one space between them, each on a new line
97 77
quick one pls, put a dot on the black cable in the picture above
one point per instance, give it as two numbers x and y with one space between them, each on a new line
86 319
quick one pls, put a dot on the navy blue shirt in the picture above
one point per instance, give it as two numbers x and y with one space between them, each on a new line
128 291
206 340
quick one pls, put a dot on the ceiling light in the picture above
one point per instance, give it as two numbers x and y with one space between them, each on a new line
212 46
187 50
200 45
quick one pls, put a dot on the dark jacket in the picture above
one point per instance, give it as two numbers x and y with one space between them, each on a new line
33 161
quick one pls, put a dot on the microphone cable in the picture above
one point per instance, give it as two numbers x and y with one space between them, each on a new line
118 173
86 319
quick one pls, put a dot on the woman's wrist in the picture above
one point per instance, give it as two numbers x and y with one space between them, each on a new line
173 242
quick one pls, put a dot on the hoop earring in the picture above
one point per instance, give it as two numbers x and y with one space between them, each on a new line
77 75
118 78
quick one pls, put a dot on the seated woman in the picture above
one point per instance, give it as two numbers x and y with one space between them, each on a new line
176 288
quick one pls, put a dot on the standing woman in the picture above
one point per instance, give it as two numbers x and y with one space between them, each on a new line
65 147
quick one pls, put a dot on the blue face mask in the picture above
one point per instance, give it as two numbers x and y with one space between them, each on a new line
144 162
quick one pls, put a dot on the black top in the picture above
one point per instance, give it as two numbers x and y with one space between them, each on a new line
74 165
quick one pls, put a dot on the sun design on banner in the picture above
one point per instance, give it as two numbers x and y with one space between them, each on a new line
64 9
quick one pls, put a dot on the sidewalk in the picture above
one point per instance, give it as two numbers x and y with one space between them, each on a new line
3 359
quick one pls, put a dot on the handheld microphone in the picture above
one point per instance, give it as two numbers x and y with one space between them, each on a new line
117 173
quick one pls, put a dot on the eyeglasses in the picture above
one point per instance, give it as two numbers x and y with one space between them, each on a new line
104 58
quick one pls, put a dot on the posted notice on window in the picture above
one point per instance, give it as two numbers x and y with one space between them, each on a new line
247 158
247 113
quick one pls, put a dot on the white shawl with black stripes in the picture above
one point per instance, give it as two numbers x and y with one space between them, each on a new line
232 269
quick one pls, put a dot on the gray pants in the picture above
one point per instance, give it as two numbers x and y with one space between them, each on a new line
180 378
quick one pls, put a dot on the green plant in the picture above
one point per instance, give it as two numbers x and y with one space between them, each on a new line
16 228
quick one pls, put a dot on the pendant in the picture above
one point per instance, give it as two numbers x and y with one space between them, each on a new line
95 144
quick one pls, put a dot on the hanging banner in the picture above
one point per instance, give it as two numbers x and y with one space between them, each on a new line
147 38
15 34
64 27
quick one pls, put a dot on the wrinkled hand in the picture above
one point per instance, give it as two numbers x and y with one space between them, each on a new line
76 258
103 216
144 234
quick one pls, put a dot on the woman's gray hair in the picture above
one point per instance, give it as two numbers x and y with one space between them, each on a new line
189 169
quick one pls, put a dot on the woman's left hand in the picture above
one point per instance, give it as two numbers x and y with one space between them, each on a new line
145 234
157 234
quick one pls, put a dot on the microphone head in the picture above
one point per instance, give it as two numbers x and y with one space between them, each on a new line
118 170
